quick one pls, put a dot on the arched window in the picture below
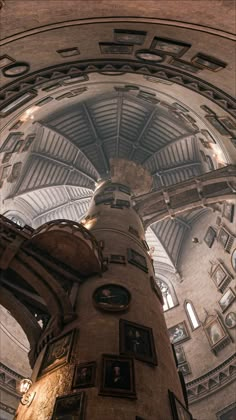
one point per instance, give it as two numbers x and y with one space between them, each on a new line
168 294
192 315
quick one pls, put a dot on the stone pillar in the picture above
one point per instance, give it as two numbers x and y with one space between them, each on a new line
121 330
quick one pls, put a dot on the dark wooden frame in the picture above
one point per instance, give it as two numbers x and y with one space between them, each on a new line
221 286
51 367
8 58
225 410
181 367
184 46
29 96
111 308
214 121
232 255
121 46
175 61
117 392
137 37
187 337
234 297
233 326
229 124
212 235
148 359
88 384
229 215
179 363
174 409
219 237
156 289
81 398
133 258
15 65
219 65
215 347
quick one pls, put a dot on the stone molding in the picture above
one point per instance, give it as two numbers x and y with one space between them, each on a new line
212 381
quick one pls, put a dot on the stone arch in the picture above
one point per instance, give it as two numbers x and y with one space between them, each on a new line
22 315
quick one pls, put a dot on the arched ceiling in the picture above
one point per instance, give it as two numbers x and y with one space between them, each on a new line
75 93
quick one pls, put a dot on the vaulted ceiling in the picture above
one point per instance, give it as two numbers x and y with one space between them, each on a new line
83 82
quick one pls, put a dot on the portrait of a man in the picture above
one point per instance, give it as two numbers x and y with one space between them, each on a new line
84 375
137 340
69 407
117 376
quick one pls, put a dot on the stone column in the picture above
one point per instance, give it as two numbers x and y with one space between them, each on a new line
119 320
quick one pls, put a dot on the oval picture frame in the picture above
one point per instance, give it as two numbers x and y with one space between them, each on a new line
111 297
230 320
233 259
16 69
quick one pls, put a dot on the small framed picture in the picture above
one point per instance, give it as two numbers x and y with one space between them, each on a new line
111 297
210 63
69 407
223 237
117 376
169 46
84 375
185 368
180 354
228 211
217 125
137 259
178 333
210 237
233 259
184 65
227 299
219 275
229 124
215 332
137 340
127 36
179 411
156 289
230 320
57 353
113 48
227 413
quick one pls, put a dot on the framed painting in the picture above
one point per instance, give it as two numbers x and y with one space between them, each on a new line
210 236
57 353
185 369
178 333
229 124
111 297
137 340
137 259
233 259
113 48
219 275
169 46
214 331
184 65
117 376
230 320
217 125
227 299
10 143
180 355
156 289
117 259
178 410
69 407
208 62
127 36
228 211
227 413
223 237
84 375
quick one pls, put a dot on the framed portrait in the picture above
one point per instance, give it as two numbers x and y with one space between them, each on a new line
230 320
220 275
137 259
185 368
111 297
69 407
169 46
156 289
228 211
180 354
117 376
84 375
229 124
210 236
178 410
223 237
217 125
214 331
178 333
233 259
57 353
184 65
137 340
227 299
113 48
227 413
210 63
